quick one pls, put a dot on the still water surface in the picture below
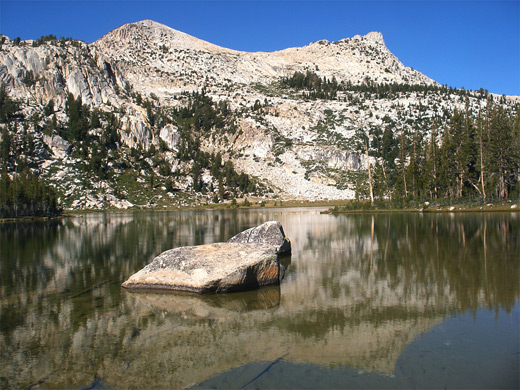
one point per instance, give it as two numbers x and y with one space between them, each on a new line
383 301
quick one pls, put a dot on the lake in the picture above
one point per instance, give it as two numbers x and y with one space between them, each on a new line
368 301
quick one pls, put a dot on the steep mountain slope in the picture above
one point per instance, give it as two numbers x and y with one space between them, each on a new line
188 120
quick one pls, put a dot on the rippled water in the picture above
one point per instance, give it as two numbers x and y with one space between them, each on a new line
383 301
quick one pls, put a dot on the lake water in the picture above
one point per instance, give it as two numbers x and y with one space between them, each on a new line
368 301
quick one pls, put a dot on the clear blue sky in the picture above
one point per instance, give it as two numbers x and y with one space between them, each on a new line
469 44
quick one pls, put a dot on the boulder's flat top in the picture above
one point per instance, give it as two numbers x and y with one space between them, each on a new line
209 268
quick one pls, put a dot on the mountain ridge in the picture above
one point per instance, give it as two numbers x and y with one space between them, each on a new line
290 120
338 59
375 36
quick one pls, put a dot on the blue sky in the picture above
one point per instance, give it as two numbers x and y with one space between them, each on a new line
470 44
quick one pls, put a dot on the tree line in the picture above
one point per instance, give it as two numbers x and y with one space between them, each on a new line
26 195
471 157
316 86
22 194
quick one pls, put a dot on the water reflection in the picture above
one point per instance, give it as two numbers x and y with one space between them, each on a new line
357 291
215 306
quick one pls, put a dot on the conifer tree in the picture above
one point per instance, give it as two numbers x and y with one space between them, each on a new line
389 153
370 185
432 165
516 148
415 166
401 167
5 147
481 147
8 108
501 150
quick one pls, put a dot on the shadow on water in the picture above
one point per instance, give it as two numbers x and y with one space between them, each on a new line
367 301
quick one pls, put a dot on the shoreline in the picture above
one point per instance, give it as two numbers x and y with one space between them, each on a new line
430 211
512 207
334 207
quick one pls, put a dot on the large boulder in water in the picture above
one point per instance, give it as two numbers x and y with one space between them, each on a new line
269 233
249 260
220 267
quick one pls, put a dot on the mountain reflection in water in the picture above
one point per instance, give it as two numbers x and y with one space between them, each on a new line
357 291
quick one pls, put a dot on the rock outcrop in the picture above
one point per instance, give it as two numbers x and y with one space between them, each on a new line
248 261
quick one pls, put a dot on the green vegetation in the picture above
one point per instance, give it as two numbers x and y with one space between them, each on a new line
316 87
470 160
27 196
415 205
44 39
24 194
388 90
8 108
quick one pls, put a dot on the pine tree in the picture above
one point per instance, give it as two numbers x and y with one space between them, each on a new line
370 185
362 145
389 153
195 174
501 150
456 155
415 167
432 165
461 148
8 108
26 195
5 201
49 108
380 182
6 145
482 141
94 120
401 185
516 148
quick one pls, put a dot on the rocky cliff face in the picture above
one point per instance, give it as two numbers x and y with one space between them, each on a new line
36 74
143 73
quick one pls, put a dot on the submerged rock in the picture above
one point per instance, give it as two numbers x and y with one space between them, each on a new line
269 233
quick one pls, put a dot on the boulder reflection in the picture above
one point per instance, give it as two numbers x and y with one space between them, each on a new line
357 290
216 306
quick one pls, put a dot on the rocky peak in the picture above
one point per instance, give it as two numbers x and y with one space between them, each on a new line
376 37
147 33
151 45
